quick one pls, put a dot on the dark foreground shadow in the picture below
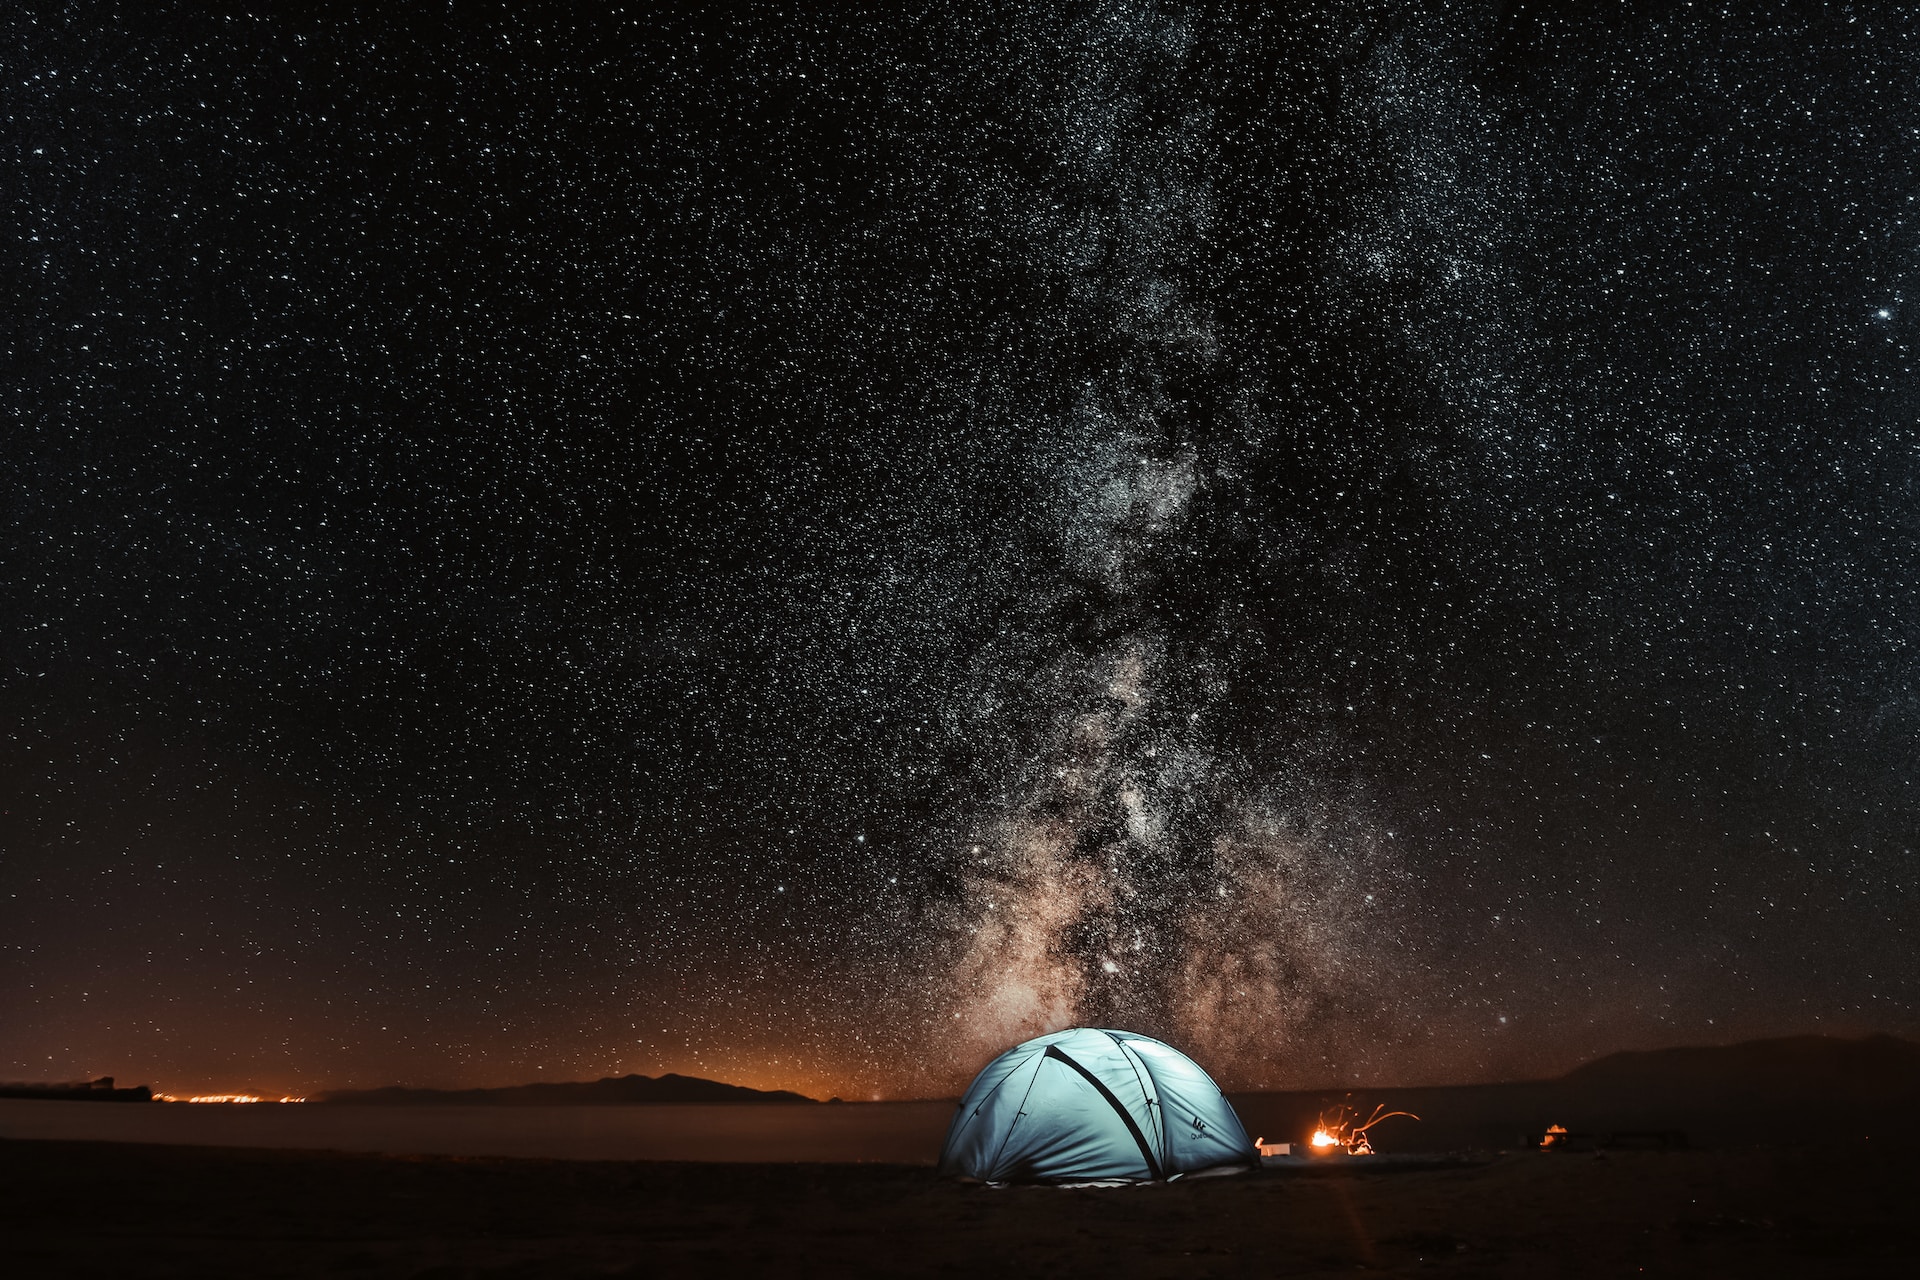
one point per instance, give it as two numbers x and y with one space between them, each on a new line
101 1209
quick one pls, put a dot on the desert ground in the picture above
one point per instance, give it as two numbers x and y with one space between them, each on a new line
117 1210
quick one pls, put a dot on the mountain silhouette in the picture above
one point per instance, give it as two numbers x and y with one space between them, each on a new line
608 1091
1808 1087
1826 1068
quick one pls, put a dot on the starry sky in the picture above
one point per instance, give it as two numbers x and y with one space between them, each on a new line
804 544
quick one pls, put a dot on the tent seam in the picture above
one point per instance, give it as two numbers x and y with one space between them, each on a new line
1040 1061
1156 1112
982 1104
1154 1170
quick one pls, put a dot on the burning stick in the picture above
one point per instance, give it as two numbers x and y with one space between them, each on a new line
1341 1131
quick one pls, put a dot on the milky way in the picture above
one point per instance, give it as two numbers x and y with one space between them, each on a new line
1371 541
1135 876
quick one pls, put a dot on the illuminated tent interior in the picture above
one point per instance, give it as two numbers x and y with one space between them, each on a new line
1091 1105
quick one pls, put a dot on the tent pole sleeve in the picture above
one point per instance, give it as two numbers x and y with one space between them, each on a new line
1146 1152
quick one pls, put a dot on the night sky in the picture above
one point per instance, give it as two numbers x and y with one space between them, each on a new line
804 544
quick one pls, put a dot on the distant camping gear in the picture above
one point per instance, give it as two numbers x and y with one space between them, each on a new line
1092 1105
1559 1138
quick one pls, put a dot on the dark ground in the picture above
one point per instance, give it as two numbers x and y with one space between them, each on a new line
103 1209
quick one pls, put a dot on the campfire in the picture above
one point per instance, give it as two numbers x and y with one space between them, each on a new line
1342 1129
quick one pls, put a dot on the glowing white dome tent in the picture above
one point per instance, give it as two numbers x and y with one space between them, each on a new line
1089 1105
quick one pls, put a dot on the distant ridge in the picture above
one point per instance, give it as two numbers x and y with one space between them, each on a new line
608 1091
100 1090
1801 1088
1791 1066
1794 1065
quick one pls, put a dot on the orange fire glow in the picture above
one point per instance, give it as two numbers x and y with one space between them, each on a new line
222 1097
1342 1128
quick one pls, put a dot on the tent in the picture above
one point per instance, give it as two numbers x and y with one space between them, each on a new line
1090 1105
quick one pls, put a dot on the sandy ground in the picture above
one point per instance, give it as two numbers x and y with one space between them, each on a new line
108 1209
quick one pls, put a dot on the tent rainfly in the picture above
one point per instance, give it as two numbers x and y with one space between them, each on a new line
1090 1105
